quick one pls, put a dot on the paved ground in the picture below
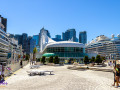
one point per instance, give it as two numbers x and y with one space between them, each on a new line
63 79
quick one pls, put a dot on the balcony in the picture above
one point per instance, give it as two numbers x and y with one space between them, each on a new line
3 48
3 54
3 42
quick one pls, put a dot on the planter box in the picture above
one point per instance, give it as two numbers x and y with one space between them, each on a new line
50 64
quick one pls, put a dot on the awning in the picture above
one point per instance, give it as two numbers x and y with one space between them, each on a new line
48 54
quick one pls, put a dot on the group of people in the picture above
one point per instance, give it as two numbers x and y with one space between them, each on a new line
116 71
32 62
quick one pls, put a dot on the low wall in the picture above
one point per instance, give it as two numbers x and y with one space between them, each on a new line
14 67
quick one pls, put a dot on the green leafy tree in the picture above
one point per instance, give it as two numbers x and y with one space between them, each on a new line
27 57
92 59
56 60
86 60
43 59
51 59
103 58
38 59
98 59
34 54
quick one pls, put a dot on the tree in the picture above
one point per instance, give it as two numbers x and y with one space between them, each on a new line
98 59
38 59
86 60
34 54
103 58
27 57
92 59
51 59
56 60
43 59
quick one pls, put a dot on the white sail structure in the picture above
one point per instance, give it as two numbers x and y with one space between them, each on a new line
44 41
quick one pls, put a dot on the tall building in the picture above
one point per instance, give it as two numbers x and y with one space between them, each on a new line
32 45
57 38
63 36
3 22
83 37
43 31
69 35
4 42
76 39
24 42
19 38
27 49
104 46
14 50
11 36
36 38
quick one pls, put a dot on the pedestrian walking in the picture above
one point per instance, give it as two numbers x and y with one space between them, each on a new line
114 71
21 64
117 77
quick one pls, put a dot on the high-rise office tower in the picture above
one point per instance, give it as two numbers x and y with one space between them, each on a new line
32 45
36 38
76 39
69 35
27 48
3 22
83 37
63 36
24 42
57 38
19 38
43 31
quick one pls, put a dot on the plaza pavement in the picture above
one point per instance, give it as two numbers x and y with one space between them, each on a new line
62 79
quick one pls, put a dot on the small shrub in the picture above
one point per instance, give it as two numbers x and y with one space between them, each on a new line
51 59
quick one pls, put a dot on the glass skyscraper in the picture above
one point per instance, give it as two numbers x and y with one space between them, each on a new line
24 42
83 37
69 35
57 38
36 38
32 45
19 38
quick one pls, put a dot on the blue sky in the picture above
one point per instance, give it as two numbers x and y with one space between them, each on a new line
95 16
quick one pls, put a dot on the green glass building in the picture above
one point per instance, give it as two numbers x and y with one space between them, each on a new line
65 50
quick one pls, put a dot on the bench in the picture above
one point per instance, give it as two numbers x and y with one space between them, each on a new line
49 71
33 72
41 72
34 66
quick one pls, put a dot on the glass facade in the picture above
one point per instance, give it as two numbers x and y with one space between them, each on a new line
58 36
83 37
36 38
32 45
66 51
69 35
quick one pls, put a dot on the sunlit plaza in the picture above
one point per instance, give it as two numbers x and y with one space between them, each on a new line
61 79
